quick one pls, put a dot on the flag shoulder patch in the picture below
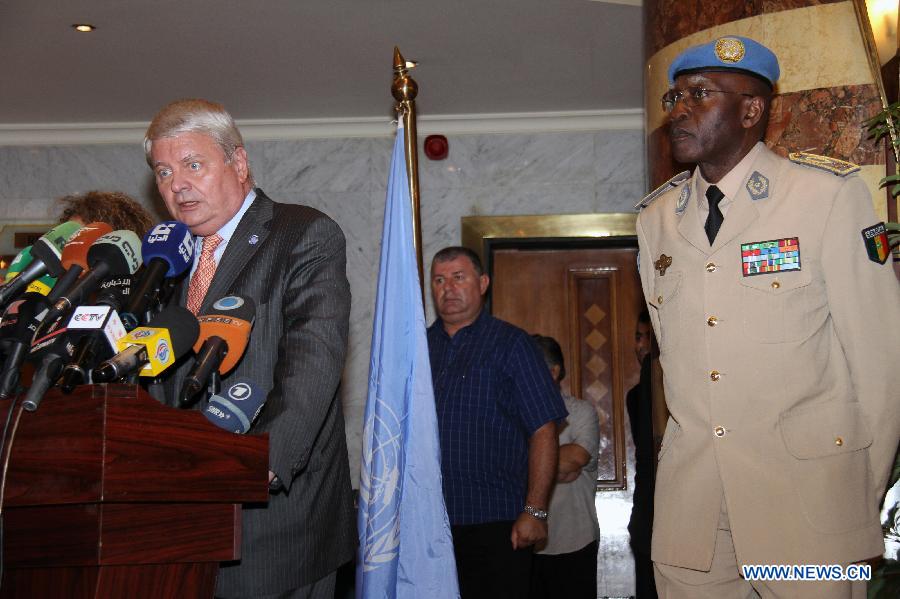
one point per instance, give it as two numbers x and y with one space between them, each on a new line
876 241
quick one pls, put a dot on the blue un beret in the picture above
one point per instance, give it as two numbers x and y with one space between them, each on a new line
731 53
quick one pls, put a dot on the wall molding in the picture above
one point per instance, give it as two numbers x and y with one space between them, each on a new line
290 129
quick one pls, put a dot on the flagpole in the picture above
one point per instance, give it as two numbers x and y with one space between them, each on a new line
404 89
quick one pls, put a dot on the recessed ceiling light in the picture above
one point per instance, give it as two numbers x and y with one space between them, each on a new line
83 27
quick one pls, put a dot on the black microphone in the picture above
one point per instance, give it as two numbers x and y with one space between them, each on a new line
153 348
113 254
237 407
50 354
224 333
168 251
29 312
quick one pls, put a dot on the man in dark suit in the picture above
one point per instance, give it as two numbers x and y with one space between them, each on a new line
639 403
291 261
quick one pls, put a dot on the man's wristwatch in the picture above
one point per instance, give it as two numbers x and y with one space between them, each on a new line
535 512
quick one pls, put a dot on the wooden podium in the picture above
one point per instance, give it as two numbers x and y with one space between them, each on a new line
112 494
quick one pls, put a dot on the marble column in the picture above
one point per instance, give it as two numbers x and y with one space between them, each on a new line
825 93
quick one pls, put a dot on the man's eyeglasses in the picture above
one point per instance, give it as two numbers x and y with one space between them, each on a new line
691 96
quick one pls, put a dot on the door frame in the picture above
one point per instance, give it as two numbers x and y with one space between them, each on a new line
482 234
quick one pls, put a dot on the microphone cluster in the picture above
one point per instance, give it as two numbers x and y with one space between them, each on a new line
85 304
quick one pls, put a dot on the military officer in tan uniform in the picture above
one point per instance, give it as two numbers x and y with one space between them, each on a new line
776 312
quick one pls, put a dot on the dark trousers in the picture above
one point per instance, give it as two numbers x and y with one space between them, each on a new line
644 583
570 575
486 564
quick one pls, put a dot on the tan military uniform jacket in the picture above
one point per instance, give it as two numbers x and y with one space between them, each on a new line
783 387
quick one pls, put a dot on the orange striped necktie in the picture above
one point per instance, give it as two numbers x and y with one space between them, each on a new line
203 275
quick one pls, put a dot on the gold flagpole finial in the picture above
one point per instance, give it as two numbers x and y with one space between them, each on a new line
404 89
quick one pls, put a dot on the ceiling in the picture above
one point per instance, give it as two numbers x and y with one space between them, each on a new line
300 59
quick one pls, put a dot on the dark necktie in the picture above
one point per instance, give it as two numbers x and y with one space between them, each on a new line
715 218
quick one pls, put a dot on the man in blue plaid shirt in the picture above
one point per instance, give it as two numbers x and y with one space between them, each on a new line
497 410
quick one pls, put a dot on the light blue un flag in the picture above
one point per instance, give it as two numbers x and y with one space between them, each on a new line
405 547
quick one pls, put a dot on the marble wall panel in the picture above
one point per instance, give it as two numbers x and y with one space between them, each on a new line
24 172
313 165
511 160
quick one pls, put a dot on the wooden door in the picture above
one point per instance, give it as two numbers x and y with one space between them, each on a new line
588 299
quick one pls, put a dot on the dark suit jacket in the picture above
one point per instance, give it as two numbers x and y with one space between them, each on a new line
295 271
639 403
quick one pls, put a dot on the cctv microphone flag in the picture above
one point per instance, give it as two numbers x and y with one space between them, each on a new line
103 319
95 331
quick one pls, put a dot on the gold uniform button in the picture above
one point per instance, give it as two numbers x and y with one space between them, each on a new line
839 441
775 284
719 431
712 321
714 375
711 267
659 300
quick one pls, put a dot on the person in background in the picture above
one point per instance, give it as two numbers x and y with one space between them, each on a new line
639 403
566 566
497 412
114 208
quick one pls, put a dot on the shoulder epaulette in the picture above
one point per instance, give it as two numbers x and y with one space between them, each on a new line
841 168
673 182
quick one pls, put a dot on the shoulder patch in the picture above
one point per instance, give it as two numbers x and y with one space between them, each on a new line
673 182
841 168
876 241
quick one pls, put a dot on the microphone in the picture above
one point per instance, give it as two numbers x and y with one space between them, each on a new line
167 250
23 315
113 254
45 254
42 285
100 342
237 407
18 264
50 354
94 329
74 257
224 334
153 348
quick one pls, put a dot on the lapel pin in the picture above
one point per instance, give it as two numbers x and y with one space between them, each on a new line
254 239
662 264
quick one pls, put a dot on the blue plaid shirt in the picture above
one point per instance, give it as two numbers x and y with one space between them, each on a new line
492 391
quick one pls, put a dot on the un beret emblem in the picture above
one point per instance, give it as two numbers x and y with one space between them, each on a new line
729 49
